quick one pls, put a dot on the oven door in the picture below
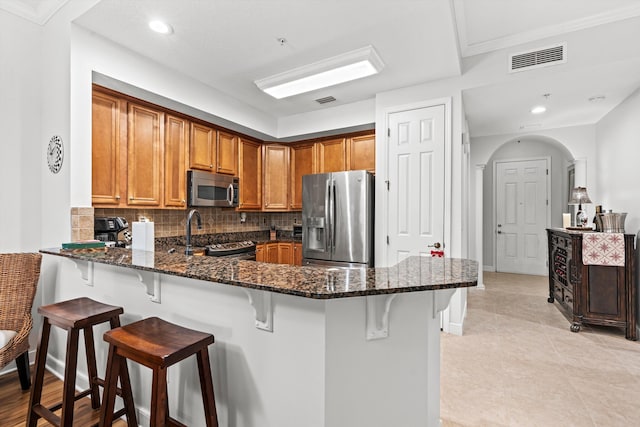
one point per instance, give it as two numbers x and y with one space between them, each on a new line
208 189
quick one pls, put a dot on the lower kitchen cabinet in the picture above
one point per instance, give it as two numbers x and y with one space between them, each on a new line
260 252
279 253
271 251
285 253
592 294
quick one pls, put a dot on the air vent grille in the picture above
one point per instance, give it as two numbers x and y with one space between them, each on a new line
325 99
538 58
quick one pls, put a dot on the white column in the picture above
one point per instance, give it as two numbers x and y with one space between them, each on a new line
479 222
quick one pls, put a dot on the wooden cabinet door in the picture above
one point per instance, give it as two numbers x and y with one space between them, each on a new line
202 147
108 145
176 138
301 164
260 252
227 151
361 153
272 253
329 155
250 174
285 253
276 177
297 254
145 156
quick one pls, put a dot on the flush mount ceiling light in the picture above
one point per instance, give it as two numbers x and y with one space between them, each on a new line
538 109
160 27
329 72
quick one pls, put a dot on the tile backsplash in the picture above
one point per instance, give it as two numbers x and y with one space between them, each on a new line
214 220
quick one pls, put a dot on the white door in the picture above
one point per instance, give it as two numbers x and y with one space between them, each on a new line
521 216
416 182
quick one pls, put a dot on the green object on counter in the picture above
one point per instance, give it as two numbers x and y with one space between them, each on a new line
83 245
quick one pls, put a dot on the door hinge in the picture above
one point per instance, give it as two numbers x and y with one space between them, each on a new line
389 132
547 202
387 240
387 182
547 171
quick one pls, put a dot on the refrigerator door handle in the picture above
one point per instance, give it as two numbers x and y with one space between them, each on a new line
333 216
327 213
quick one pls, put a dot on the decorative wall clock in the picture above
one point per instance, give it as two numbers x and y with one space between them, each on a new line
55 154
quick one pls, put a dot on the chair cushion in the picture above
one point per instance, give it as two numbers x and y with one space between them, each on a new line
5 337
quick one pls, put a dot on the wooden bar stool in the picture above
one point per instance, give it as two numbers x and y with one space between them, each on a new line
158 344
75 315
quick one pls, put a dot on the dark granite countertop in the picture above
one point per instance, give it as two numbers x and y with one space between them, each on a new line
411 275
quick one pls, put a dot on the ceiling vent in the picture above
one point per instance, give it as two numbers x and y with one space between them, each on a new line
325 99
524 61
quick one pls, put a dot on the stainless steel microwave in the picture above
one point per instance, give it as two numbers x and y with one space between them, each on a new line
210 189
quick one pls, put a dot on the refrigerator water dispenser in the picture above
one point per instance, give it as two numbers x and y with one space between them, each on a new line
315 233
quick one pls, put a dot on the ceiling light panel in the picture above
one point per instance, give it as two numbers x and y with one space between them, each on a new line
160 27
329 72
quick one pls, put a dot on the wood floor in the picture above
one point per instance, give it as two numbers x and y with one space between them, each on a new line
14 402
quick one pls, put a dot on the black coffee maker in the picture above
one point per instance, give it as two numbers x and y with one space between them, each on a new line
106 229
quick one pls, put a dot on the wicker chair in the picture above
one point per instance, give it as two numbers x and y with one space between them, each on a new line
19 275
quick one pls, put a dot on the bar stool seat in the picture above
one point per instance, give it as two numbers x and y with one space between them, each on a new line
73 316
158 344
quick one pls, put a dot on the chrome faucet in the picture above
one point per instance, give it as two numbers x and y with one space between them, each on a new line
189 250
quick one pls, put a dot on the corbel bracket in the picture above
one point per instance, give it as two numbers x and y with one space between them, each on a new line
86 270
261 303
151 281
378 316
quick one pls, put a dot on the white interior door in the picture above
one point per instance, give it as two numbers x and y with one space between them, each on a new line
416 182
522 212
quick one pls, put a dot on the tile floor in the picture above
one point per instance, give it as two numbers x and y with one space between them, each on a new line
518 364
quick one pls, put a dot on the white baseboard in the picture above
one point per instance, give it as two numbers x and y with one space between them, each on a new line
488 268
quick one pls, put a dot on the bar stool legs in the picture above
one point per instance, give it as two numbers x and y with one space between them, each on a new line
158 344
73 316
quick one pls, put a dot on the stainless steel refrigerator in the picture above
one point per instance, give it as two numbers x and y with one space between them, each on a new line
337 219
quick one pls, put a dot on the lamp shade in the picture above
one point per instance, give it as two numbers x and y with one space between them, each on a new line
579 196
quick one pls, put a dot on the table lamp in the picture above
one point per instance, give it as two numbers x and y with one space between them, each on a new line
578 197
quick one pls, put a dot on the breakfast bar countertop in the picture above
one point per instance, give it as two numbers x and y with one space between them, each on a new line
413 274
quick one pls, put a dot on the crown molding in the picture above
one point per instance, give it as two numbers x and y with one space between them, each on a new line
538 34
39 13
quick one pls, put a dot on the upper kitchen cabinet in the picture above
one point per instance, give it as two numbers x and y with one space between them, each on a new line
145 154
301 164
329 155
250 174
108 145
202 148
227 150
361 153
276 177
176 143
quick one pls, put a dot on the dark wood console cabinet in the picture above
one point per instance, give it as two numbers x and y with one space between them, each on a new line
591 294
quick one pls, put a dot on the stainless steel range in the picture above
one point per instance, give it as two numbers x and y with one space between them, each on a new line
239 250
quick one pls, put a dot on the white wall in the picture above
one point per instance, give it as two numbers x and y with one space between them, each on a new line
579 143
528 147
617 168
22 145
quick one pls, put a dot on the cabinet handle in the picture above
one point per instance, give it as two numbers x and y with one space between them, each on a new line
130 198
210 166
117 197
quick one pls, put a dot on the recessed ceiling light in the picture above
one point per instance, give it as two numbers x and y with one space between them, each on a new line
160 27
538 109
349 66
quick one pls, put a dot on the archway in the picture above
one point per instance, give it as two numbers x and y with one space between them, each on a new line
524 146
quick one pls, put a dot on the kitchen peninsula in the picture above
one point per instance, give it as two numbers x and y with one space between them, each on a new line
295 346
